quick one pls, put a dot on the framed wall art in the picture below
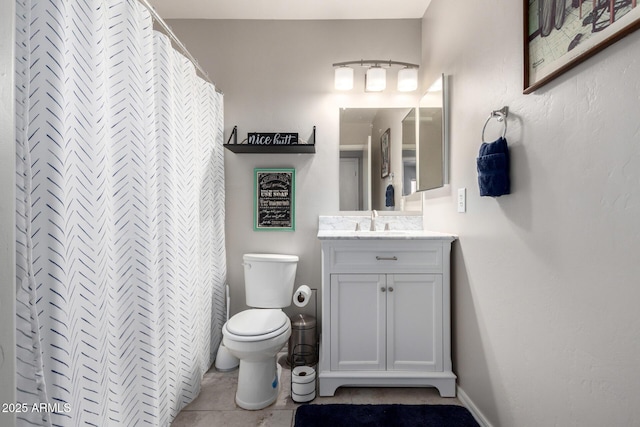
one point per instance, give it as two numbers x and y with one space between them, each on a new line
560 34
274 199
386 153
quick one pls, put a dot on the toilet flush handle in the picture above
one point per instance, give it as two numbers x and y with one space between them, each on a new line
246 264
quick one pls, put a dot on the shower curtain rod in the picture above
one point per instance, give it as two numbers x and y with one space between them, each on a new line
158 19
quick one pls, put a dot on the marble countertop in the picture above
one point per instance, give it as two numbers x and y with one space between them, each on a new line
383 235
401 227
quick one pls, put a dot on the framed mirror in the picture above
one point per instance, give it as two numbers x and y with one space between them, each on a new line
368 166
433 137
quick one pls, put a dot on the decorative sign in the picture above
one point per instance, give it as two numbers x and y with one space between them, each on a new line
282 138
274 200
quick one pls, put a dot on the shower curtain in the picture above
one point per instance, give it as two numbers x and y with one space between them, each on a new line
120 217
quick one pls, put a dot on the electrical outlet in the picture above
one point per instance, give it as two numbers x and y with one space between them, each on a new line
462 199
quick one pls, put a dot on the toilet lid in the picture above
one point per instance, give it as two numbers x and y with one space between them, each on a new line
256 322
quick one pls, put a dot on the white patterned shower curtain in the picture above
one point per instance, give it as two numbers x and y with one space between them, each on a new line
121 258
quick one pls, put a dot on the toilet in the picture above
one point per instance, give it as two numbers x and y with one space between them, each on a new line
256 336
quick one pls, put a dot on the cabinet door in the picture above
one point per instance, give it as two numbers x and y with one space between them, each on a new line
414 322
358 323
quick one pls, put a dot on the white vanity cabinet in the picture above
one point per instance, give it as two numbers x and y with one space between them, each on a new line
395 325
385 313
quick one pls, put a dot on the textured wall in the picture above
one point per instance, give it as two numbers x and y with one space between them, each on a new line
546 279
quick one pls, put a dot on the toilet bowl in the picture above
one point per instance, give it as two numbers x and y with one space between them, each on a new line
256 336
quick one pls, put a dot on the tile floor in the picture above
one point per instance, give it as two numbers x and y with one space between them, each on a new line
216 406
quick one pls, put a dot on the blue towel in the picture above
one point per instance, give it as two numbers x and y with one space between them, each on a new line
493 168
389 196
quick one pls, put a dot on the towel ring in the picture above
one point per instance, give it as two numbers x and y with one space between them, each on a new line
501 116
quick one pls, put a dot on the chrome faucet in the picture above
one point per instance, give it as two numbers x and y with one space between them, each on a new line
374 214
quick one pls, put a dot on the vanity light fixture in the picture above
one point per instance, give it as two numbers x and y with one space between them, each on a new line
376 75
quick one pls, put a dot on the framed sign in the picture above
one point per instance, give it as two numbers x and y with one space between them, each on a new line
274 199
386 153
558 34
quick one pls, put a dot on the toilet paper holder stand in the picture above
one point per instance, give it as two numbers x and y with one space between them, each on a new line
299 356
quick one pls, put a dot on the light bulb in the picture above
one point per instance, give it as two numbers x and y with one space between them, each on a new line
407 79
376 79
344 78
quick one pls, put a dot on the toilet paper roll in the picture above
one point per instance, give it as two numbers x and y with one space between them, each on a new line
303 374
300 391
301 296
303 384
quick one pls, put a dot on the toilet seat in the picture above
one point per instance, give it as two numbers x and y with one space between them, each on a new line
257 325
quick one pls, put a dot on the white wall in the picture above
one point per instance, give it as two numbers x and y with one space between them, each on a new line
546 280
278 76
7 211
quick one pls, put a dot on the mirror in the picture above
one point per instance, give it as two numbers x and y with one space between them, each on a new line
433 137
363 176
409 178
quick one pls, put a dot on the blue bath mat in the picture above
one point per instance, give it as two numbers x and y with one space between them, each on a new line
340 415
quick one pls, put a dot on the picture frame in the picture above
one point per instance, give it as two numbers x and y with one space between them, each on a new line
274 201
385 148
560 34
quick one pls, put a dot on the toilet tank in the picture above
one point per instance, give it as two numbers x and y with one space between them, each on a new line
269 279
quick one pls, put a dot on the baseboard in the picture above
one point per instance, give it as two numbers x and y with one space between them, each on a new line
466 401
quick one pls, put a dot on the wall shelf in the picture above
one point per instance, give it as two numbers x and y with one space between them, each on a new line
269 149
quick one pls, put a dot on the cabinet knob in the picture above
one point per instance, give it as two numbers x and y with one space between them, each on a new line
383 289
390 289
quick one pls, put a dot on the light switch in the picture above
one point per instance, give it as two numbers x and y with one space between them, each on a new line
462 199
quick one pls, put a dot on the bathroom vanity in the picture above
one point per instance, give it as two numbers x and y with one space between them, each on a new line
385 309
